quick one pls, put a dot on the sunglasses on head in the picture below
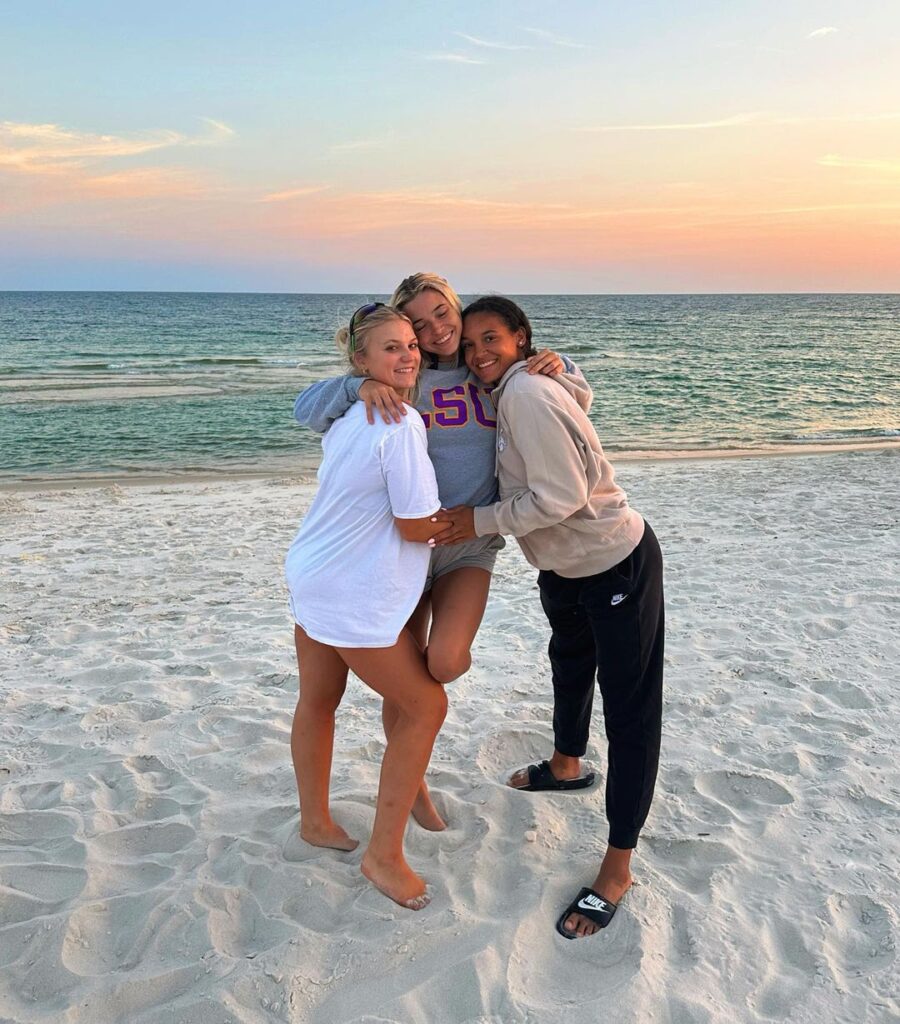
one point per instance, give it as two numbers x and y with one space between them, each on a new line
358 318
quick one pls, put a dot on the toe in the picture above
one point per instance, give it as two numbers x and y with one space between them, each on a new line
579 926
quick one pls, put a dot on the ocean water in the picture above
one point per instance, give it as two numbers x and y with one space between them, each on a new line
138 382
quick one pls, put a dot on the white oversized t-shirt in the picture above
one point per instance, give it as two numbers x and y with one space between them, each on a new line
354 581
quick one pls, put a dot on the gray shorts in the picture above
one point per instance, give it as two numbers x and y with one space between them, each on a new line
480 553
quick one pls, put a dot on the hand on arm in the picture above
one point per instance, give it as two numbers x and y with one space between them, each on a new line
456 525
546 362
419 530
384 399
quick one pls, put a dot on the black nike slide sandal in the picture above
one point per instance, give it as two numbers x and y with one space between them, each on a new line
590 905
541 778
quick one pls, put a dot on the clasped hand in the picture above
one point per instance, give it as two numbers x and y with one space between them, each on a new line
460 526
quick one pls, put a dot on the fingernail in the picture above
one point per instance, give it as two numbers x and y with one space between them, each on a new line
431 542
434 519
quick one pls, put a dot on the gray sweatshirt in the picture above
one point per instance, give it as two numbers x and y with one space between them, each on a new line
460 419
558 495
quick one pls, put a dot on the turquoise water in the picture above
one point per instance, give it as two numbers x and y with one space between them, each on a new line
131 382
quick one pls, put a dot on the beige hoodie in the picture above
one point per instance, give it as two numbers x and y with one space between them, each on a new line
558 495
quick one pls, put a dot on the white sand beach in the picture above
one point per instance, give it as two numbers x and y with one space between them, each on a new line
150 867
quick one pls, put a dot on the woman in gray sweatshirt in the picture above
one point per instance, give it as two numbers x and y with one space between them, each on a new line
457 409
601 588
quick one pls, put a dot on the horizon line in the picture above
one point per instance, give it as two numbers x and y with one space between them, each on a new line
189 291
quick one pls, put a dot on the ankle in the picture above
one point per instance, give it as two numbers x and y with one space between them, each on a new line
616 866
564 766
384 857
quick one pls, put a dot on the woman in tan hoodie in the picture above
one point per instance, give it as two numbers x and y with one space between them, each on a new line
601 588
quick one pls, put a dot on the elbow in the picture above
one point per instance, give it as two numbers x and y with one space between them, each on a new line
416 530
405 529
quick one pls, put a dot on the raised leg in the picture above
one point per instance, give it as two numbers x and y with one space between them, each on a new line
458 600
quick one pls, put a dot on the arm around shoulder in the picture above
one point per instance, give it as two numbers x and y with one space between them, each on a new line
320 404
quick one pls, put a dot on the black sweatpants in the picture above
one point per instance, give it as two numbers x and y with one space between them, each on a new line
611 627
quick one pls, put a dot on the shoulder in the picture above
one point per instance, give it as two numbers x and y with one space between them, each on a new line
533 386
411 425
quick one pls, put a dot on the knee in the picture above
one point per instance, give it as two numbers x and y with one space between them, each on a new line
430 708
314 704
446 664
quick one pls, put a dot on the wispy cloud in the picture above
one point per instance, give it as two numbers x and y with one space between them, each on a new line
456 201
52 149
489 45
826 30
48 148
678 126
357 144
146 183
859 163
293 193
552 37
753 119
218 132
453 58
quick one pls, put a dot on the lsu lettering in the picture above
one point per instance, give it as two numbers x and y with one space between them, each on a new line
457 406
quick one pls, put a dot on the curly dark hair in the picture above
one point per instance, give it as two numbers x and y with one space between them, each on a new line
511 314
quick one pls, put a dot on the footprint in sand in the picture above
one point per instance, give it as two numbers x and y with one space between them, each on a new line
32 890
500 754
689 864
33 796
236 923
860 937
749 797
133 842
114 934
591 977
843 694
683 953
46 832
789 966
151 776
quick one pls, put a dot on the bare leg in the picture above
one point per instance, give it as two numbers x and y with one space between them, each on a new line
398 673
613 881
423 810
419 620
458 601
323 678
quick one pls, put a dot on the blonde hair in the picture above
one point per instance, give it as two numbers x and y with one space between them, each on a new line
425 281
361 332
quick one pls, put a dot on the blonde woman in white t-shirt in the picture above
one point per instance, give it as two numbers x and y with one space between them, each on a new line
370 522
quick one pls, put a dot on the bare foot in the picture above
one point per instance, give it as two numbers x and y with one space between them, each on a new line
397 880
425 813
609 884
328 834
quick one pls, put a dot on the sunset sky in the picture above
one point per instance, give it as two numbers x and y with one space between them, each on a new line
512 146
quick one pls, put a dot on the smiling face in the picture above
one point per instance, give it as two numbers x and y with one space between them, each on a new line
490 347
391 355
436 322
